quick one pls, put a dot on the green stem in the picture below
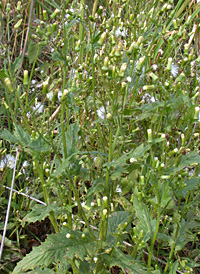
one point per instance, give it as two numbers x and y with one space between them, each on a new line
156 229
39 170
94 99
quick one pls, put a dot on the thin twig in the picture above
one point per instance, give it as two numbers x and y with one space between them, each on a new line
26 195
9 204
28 29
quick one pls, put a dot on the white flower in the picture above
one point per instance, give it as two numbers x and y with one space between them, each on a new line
119 190
50 95
39 85
33 82
39 107
95 259
101 112
8 161
174 70
154 67
120 32
25 164
128 79
132 160
59 95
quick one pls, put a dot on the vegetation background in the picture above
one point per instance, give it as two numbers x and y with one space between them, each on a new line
100 125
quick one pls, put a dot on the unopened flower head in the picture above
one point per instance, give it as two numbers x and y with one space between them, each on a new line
174 70
105 211
8 161
95 259
132 160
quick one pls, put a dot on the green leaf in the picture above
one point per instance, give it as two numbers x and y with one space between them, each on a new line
57 248
56 56
39 145
174 268
6 135
140 151
117 218
186 160
3 74
146 223
40 271
72 138
16 64
23 137
126 262
34 50
39 213
190 184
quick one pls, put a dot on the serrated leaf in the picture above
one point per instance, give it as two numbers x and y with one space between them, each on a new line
56 56
16 64
23 137
57 248
39 213
174 268
146 223
40 271
126 262
117 218
186 160
39 145
140 151
72 138
34 50
6 135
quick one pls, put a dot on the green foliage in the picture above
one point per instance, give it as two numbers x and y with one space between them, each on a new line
102 104
57 248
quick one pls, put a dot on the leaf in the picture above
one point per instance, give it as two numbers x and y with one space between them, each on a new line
186 160
39 145
56 56
34 50
3 74
57 248
190 184
40 271
117 218
126 262
16 64
96 187
140 151
39 213
23 137
6 135
72 138
174 268
146 223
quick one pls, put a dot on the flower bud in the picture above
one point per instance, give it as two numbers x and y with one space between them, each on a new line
105 64
196 114
102 38
8 84
45 85
53 15
149 133
118 51
19 6
25 77
44 14
169 64
122 70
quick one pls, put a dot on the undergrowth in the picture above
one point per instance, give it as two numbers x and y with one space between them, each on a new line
100 136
